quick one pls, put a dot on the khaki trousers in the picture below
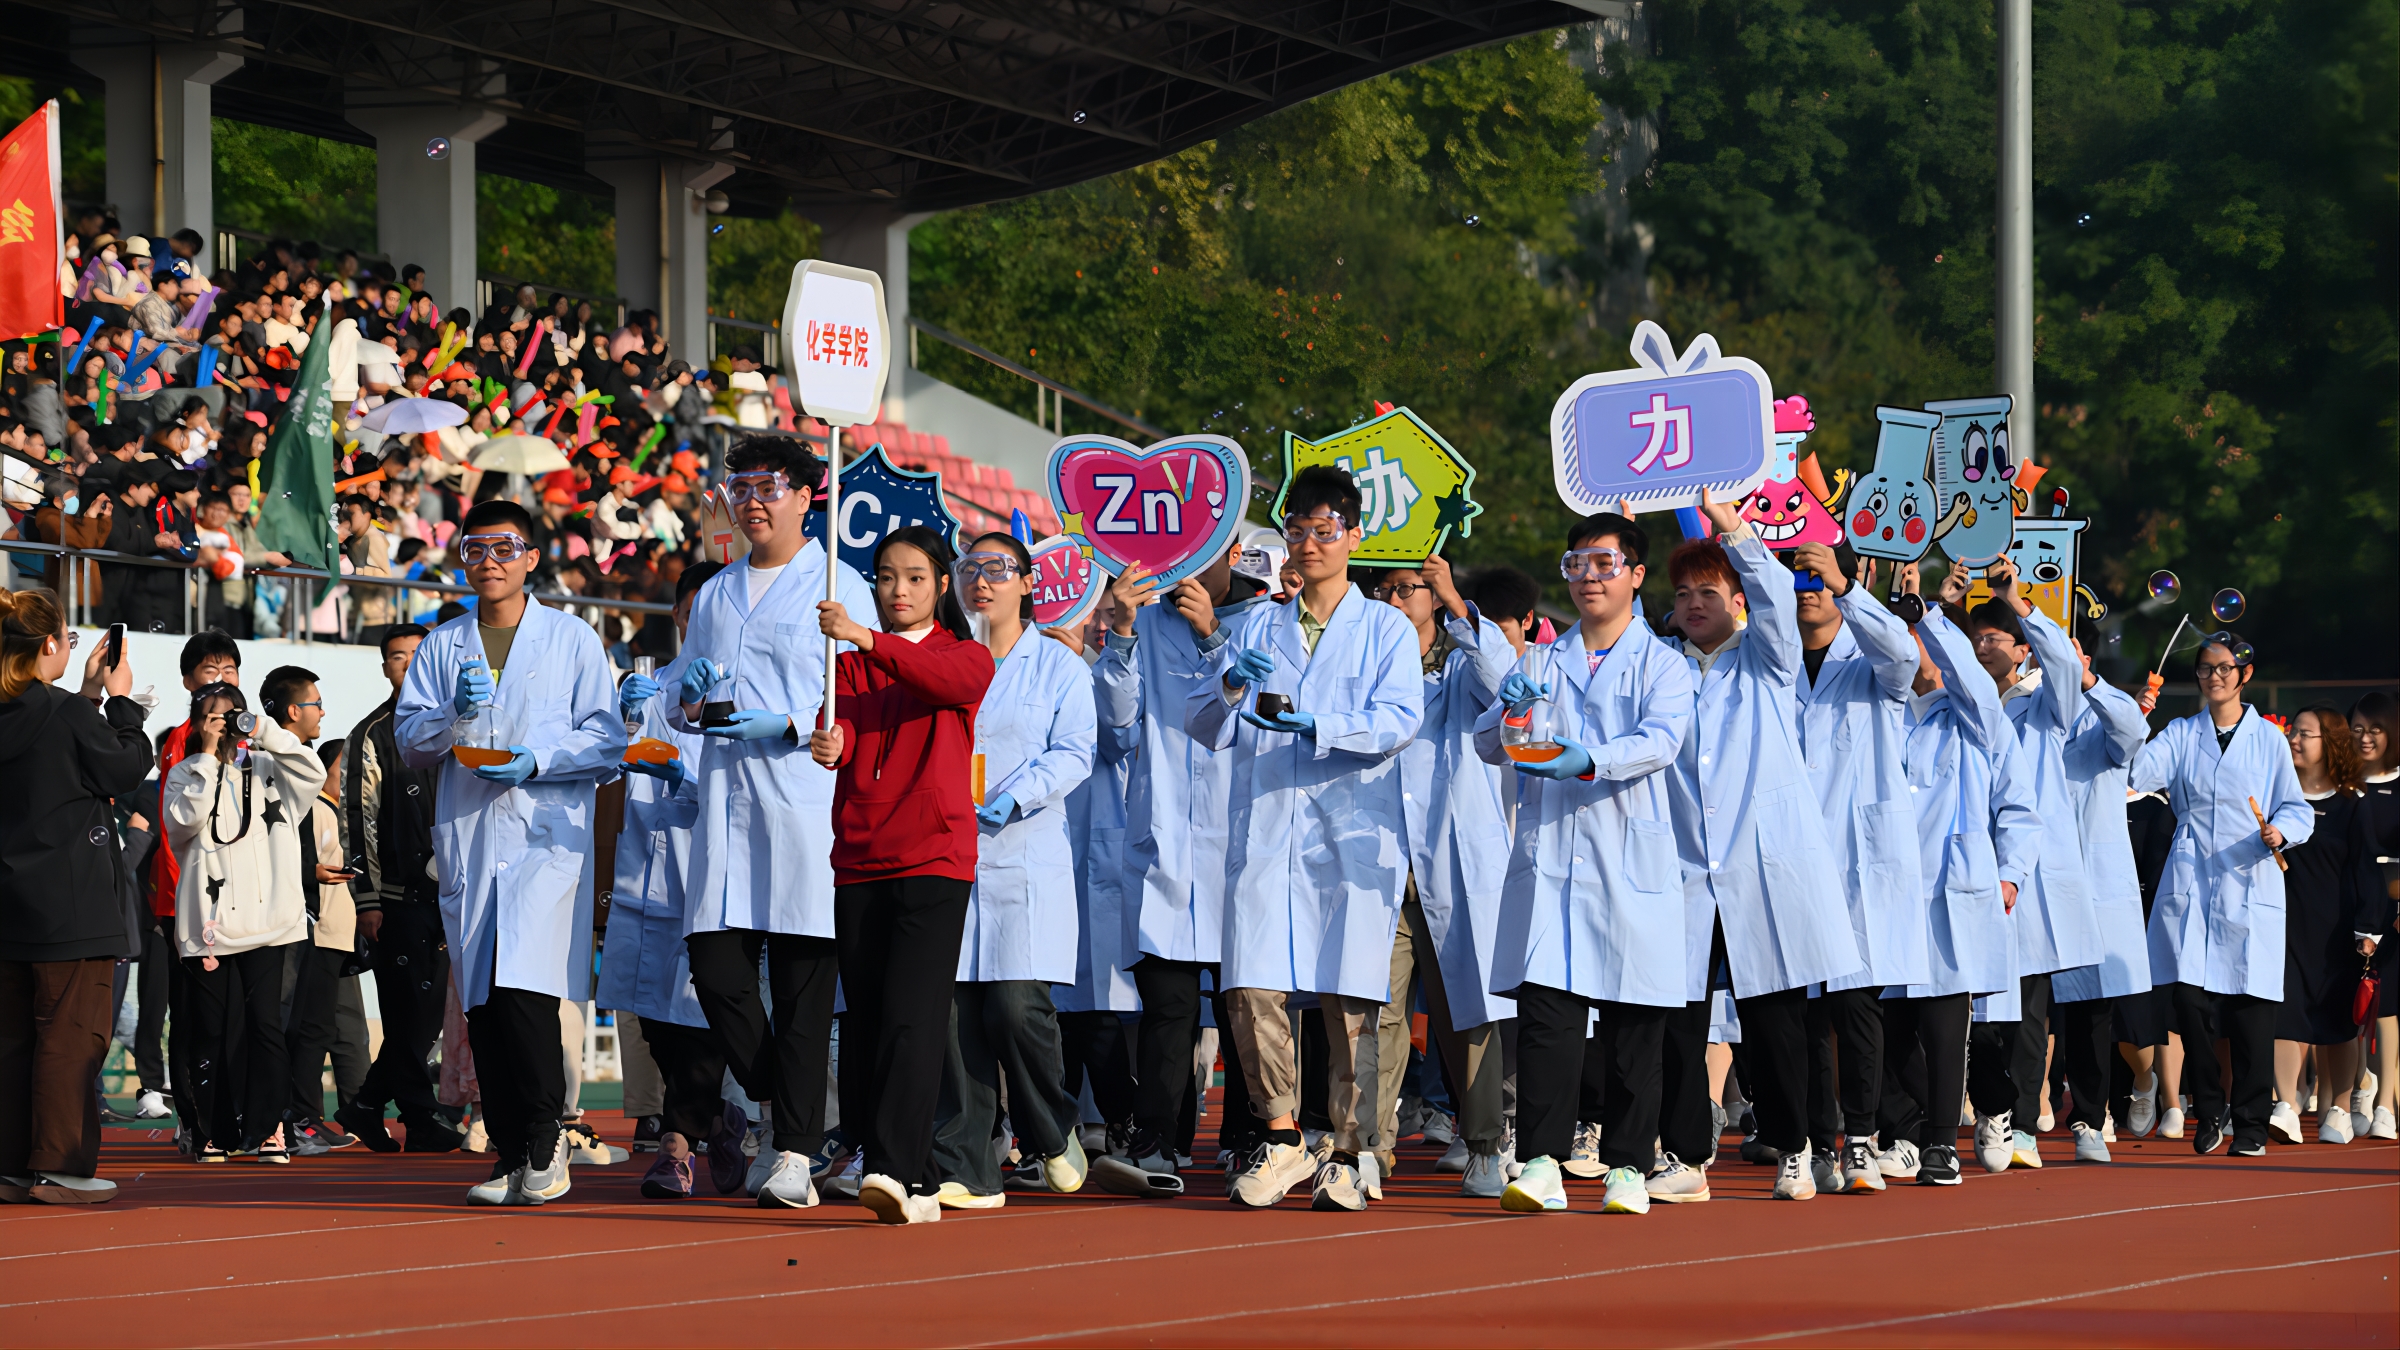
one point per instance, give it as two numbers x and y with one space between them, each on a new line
1262 1036
1472 1055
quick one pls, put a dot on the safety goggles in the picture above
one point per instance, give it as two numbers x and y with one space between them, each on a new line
992 567
1591 564
1324 529
500 548
766 485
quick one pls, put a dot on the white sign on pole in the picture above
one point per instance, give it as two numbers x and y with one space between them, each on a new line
839 335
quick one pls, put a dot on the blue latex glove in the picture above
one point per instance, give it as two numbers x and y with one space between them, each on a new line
1519 693
520 766
699 677
636 691
1296 724
1249 668
997 811
1573 762
669 769
751 724
474 687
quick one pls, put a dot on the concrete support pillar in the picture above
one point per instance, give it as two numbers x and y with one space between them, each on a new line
683 219
636 180
425 206
877 239
161 154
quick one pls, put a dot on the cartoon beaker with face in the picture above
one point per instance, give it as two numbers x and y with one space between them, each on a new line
1974 477
1891 508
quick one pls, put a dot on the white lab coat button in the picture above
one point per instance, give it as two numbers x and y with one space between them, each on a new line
1712 811
1704 759
1579 862
1712 864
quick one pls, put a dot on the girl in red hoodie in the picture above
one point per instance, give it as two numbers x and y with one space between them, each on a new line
902 748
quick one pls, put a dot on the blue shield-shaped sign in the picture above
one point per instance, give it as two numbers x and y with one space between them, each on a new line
1657 435
878 499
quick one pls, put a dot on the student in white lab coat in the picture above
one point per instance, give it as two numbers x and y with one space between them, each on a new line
1457 859
2054 925
761 871
2217 927
1859 663
530 687
1591 911
1035 734
1315 856
1762 898
1177 791
644 967
2088 1002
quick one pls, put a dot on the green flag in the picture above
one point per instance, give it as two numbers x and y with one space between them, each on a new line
296 480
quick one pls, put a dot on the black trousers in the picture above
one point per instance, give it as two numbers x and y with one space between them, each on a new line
1775 1037
899 961
1000 1029
152 974
514 1034
1687 1127
1855 1018
241 1078
691 1072
412 971
308 1030
1630 1040
2249 1023
1170 1030
2087 1045
1925 1068
779 1058
2006 1060
1096 1045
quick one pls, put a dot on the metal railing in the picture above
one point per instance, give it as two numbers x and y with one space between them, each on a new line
1056 390
770 337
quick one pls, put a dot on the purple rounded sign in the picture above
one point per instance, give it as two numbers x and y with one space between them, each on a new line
1657 435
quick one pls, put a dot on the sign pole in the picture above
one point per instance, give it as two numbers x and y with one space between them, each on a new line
833 552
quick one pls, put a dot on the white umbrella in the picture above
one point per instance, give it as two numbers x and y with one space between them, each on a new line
409 416
519 454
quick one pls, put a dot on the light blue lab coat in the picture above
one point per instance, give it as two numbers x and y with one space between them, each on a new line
762 853
515 864
1852 728
1457 824
1747 823
1036 732
1593 901
2218 919
644 966
2099 758
1976 825
1107 940
1316 855
1177 789
2056 929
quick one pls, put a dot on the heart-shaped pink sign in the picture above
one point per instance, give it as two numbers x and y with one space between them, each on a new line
1067 583
1172 508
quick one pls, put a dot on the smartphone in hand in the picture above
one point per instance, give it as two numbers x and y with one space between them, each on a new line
116 647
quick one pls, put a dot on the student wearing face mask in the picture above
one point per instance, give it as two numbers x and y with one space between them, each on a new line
1035 738
905 844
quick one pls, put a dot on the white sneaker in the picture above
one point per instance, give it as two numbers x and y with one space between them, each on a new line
1994 1141
890 1201
954 1195
1065 1172
1484 1179
2046 1122
2024 1150
1626 1194
1899 1162
550 1182
1826 1170
852 1176
494 1191
150 1105
2108 1126
2141 1115
1537 1191
2170 1123
762 1166
57 1188
1337 1188
2284 1123
2383 1126
787 1184
1509 1166
1795 1180
1677 1183
1270 1175
1440 1129
1583 1160
2333 1126
2090 1147
1370 1174
1859 1174
1455 1159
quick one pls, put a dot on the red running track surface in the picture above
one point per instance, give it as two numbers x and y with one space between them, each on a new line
2301 1247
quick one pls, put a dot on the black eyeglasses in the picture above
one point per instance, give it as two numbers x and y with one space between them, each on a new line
1398 590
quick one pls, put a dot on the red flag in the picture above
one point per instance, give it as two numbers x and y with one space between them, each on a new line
31 246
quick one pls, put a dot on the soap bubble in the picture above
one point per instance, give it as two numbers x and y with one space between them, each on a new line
438 148
2243 653
2226 605
2165 586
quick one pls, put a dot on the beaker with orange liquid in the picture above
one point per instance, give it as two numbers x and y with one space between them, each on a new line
471 739
1529 737
650 750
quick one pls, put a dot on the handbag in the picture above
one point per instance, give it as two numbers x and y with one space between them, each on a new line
2369 992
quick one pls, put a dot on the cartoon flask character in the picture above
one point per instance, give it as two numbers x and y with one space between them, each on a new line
1891 507
1789 508
2047 551
1974 477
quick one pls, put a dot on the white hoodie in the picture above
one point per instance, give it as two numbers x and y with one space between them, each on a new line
250 887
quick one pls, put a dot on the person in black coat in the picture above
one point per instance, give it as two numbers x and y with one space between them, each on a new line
64 920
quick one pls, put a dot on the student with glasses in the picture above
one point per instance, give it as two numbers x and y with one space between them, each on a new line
761 877
513 706
2217 927
1314 862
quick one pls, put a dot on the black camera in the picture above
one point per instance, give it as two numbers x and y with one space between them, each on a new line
241 723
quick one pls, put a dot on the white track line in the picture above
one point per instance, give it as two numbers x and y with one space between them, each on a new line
1553 1280
2056 1298
254 1237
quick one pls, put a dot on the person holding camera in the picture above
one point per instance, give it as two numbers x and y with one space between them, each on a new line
63 920
235 805
289 696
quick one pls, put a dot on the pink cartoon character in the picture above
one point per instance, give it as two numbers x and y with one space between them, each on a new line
1792 507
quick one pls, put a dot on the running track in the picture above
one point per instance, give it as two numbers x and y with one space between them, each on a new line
2301 1247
